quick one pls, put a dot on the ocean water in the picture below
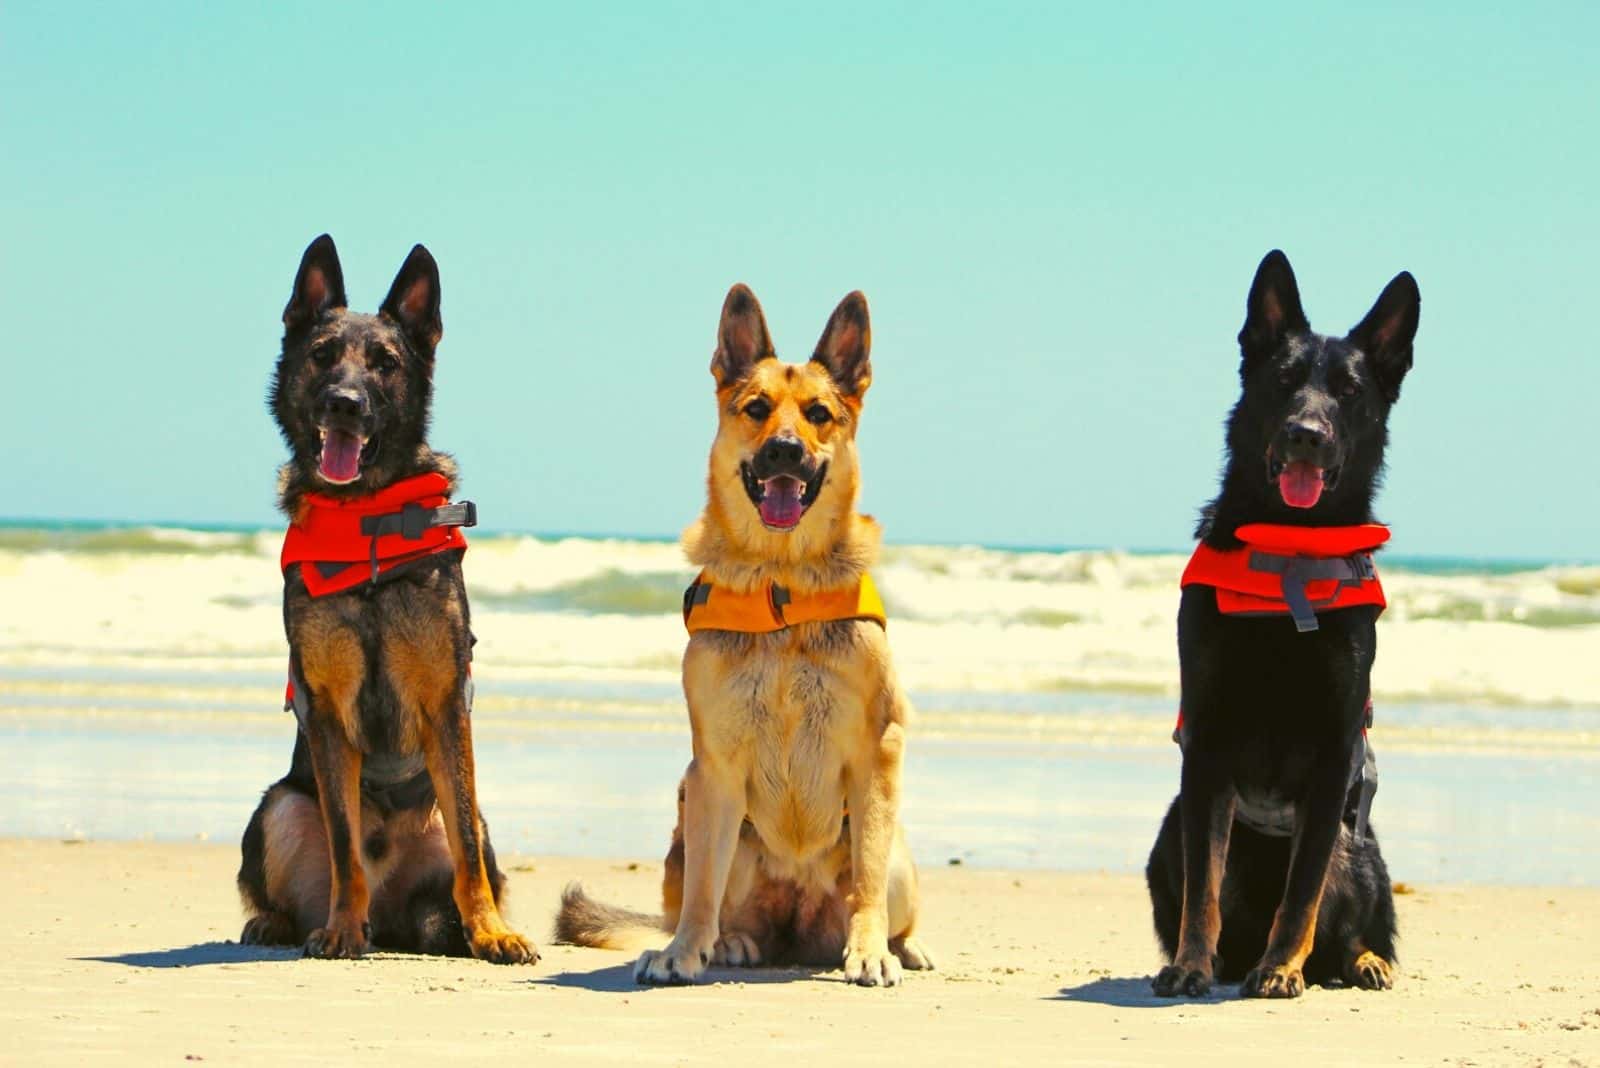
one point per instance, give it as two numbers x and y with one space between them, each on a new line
141 687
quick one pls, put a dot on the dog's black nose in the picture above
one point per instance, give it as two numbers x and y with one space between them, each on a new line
1307 435
782 452
343 402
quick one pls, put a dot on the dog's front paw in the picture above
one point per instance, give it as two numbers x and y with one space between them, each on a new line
1177 980
675 965
503 947
1273 981
338 941
871 964
1369 972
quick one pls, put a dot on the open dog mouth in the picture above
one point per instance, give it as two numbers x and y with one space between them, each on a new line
343 452
1300 482
782 499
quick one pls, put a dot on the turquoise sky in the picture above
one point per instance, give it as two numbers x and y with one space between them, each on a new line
1054 211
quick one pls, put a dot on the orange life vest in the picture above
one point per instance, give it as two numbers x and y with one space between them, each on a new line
341 543
1294 571
707 606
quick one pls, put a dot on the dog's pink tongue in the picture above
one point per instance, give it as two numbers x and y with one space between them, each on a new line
1300 483
341 456
780 504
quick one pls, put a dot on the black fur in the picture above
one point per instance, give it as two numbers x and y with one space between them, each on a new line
1270 713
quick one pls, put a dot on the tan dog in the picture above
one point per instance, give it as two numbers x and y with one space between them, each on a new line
788 847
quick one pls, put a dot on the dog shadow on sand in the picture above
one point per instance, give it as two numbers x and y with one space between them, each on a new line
618 979
1131 992
201 953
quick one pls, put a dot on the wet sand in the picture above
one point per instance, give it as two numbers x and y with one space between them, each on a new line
122 952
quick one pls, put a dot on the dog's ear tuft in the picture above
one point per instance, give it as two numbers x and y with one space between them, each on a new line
742 337
1272 311
413 299
318 285
845 348
1386 333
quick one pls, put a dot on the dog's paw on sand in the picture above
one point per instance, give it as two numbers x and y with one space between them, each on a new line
736 949
1276 981
914 956
871 966
672 966
343 942
1369 972
504 947
268 929
1175 980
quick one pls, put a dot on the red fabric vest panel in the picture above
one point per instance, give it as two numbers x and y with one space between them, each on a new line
329 532
1242 590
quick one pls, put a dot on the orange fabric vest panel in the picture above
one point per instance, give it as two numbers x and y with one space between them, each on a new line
707 606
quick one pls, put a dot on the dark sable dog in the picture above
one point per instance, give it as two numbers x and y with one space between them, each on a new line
1274 717
374 836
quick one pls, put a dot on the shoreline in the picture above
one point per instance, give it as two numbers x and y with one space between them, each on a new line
123 951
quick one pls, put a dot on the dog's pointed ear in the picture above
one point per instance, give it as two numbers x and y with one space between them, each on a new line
413 299
318 285
845 348
1386 333
742 337
1272 311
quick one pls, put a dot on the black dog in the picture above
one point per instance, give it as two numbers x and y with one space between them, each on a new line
374 836
1274 705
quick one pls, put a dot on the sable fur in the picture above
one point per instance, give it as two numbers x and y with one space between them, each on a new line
333 858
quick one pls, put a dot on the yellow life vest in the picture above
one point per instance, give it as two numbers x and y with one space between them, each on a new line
707 606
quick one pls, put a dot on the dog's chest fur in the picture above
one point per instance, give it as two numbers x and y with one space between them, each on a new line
785 711
381 663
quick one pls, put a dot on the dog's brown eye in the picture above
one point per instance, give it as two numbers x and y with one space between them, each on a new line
388 365
758 410
819 414
1350 388
322 356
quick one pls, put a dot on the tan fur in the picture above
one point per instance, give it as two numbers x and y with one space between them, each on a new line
296 857
793 728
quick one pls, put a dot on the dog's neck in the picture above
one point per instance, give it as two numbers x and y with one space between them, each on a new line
839 562
296 483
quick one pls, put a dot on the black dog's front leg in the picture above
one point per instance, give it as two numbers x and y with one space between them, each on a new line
1206 803
1316 831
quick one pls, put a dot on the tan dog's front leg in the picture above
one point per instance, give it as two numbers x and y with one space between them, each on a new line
713 810
874 792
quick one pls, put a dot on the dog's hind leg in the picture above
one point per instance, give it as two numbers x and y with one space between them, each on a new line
1163 875
903 900
1369 958
284 874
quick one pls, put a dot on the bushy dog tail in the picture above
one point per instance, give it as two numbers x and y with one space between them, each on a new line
584 921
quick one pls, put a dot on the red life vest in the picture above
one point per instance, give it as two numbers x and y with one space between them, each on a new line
341 543
1294 571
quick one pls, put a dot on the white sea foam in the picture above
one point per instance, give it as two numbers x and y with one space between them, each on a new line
963 619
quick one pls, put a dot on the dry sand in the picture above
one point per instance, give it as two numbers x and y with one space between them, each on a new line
122 952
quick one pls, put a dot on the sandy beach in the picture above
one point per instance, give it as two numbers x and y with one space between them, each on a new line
123 952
